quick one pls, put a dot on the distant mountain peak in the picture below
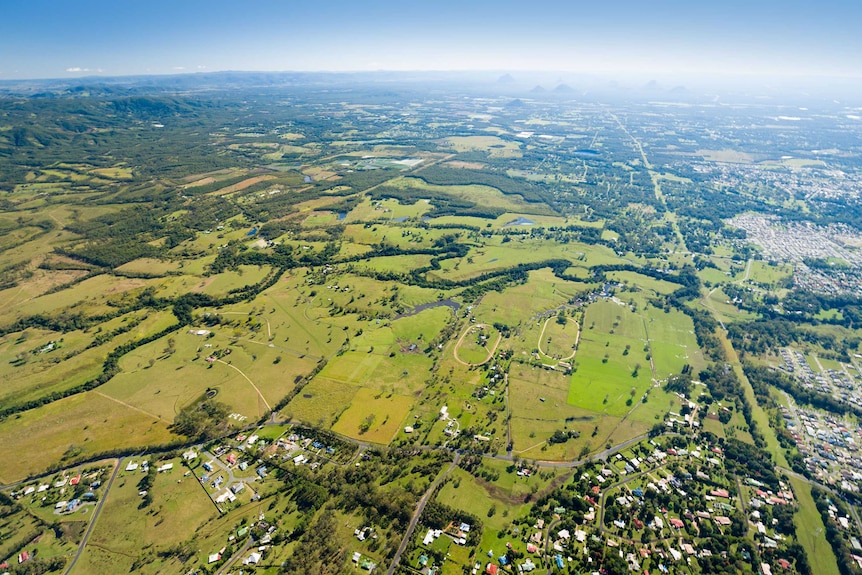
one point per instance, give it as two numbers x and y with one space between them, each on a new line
564 88
506 79
538 89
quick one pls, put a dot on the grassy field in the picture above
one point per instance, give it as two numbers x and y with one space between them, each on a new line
373 417
523 303
495 146
538 402
767 274
30 372
483 195
644 282
559 340
125 534
477 344
612 372
811 532
89 295
321 401
83 424
149 266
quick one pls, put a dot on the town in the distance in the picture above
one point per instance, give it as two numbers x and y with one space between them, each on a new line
403 324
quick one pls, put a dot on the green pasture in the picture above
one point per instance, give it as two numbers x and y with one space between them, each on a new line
395 264
150 266
220 284
608 379
422 327
124 533
494 146
373 416
643 282
559 340
471 349
368 210
523 303
88 296
538 403
769 274
297 321
321 401
161 382
483 195
811 532
87 423
720 304
70 363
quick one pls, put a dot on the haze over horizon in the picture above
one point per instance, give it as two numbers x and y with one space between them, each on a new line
52 39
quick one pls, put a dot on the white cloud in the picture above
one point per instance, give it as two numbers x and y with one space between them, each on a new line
179 67
74 69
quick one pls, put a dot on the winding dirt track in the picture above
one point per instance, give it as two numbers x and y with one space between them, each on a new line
490 351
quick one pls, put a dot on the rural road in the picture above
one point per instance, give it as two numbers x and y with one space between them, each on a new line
418 513
95 516
548 532
233 559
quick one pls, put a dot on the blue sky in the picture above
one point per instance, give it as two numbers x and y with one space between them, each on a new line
55 39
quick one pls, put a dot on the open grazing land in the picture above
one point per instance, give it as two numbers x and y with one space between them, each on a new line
318 327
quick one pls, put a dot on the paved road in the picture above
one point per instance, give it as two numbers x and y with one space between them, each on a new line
96 512
227 564
418 513
545 552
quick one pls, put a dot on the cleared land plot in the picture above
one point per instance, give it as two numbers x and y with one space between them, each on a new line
485 196
558 340
494 146
161 382
368 210
542 292
31 372
764 273
538 402
124 532
672 341
610 386
149 266
373 417
321 401
83 424
477 344
229 280
398 264
89 294
644 282
720 303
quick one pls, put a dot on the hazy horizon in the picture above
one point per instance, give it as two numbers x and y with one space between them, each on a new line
49 39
